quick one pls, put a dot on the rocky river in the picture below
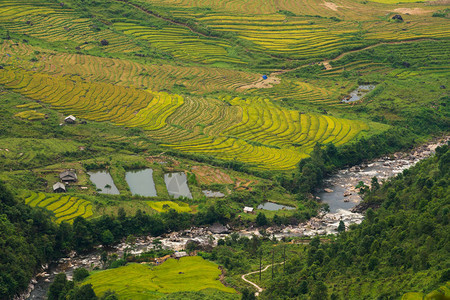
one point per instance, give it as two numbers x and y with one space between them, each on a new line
339 193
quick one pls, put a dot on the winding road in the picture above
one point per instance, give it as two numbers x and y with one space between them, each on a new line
260 289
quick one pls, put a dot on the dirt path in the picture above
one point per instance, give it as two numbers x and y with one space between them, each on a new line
260 289
156 15
272 79
327 65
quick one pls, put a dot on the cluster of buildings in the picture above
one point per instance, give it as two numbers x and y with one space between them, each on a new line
66 176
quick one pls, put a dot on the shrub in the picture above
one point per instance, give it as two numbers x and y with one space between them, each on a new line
80 274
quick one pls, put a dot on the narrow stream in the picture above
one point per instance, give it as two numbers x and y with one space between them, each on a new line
339 193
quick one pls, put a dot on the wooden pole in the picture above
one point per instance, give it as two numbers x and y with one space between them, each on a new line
273 259
260 265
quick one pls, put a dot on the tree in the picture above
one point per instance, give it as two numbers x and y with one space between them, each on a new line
122 214
261 219
362 188
248 295
58 287
109 295
85 292
107 238
82 235
80 273
341 227
303 287
373 263
320 291
375 185
104 258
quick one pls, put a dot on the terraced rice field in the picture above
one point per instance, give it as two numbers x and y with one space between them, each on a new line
271 137
181 43
144 282
306 29
254 130
54 23
301 38
95 101
31 115
423 57
336 8
65 208
299 90
156 77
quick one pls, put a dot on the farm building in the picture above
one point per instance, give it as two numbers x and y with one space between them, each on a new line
68 176
248 210
59 187
70 119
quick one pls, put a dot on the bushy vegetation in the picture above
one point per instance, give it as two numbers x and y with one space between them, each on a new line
171 84
28 239
402 245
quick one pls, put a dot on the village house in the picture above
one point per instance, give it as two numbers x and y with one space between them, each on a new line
59 187
68 176
70 119
248 210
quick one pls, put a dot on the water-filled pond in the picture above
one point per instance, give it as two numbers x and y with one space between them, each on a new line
213 194
274 206
141 182
177 186
357 94
104 182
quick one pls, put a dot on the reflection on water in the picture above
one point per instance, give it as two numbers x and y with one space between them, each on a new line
141 182
213 194
357 94
176 184
104 182
274 206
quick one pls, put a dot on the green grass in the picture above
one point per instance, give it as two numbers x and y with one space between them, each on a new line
178 206
145 282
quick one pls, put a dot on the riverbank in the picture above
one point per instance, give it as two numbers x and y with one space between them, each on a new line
339 193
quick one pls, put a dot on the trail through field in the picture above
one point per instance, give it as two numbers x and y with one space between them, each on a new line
272 79
156 15
326 63
260 289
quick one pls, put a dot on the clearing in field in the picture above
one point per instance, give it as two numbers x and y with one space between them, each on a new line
145 282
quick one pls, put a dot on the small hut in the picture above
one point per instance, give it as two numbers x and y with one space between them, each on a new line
68 176
59 187
248 210
70 119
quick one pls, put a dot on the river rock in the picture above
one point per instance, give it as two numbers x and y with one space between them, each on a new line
328 190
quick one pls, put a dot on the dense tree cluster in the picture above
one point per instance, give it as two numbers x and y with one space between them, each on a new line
28 239
405 236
